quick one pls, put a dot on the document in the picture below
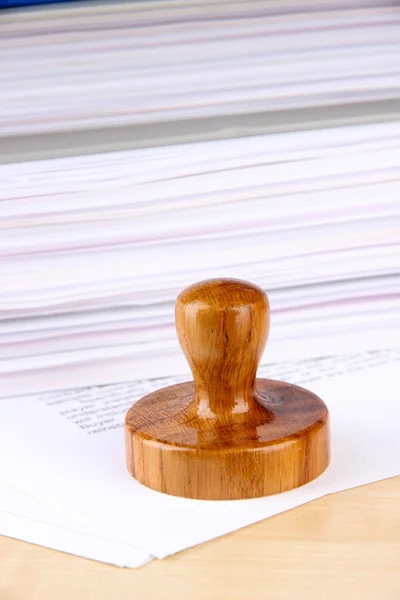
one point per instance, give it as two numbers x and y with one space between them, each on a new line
25 518
67 450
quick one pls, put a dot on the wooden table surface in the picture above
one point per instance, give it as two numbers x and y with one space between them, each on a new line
342 546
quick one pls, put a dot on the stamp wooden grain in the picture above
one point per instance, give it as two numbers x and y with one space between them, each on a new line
227 435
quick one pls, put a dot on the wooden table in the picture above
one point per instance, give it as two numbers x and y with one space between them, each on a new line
344 546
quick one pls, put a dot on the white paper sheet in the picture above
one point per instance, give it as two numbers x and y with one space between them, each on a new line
68 450
25 518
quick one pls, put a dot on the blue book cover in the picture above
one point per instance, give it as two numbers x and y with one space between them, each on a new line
29 3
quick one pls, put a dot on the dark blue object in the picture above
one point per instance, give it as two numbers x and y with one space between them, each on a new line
21 3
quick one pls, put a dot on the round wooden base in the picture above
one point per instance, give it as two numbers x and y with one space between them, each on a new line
280 444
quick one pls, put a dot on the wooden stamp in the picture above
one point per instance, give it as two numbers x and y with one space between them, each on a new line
227 435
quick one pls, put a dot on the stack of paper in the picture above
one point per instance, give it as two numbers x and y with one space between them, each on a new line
95 250
142 73
160 61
